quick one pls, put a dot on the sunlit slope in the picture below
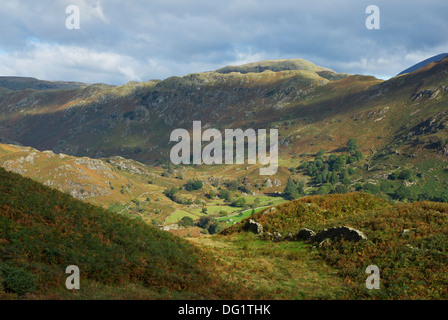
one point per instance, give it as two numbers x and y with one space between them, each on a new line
406 241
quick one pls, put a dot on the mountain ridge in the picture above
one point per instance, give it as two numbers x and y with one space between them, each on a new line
423 63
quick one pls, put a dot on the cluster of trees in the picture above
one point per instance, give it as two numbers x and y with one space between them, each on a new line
332 174
334 169
209 224
172 193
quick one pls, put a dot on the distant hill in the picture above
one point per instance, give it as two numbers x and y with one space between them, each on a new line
22 83
423 63
283 65
273 65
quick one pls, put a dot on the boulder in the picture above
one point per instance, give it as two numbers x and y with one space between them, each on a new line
253 226
268 183
305 234
342 232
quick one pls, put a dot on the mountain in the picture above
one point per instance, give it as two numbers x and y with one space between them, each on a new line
423 63
283 65
399 125
358 152
133 120
22 83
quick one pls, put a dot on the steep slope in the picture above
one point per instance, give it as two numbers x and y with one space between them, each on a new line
135 120
423 63
43 231
121 185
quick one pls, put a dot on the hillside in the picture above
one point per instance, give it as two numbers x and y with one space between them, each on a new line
311 110
400 128
22 83
406 241
42 231
130 188
283 65
121 185
423 63
134 120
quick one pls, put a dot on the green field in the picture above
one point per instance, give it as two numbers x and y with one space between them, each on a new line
240 216
179 214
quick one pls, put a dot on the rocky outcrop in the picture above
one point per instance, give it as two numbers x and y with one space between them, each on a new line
269 183
305 235
253 226
93 164
274 236
342 232
169 227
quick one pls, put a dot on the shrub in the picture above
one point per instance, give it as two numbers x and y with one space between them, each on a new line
239 202
224 194
340 188
186 222
223 213
18 280
214 228
170 192
193 185
371 188
405 174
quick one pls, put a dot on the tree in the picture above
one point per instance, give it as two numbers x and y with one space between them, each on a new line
224 194
334 179
214 228
170 192
352 146
340 188
186 222
338 163
239 202
211 194
444 197
291 191
402 193
405 174
205 221
320 153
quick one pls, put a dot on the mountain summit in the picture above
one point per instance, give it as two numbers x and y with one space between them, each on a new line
274 65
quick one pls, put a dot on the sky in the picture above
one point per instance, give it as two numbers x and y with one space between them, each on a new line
135 40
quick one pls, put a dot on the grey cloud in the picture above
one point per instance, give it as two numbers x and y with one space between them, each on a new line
160 38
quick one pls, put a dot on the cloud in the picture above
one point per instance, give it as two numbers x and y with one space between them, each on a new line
58 62
121 40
